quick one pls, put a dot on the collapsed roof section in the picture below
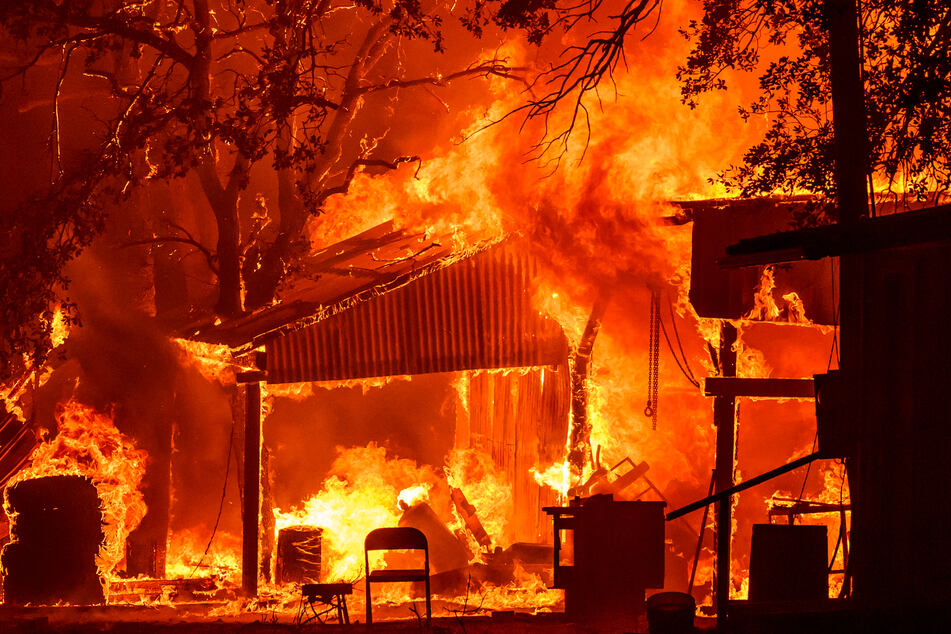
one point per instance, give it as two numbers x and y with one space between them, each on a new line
385 302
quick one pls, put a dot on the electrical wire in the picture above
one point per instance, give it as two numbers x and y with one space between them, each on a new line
683 355
808 469
221 503
686 372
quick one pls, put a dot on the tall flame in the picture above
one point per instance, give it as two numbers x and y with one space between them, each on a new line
360 495
87 443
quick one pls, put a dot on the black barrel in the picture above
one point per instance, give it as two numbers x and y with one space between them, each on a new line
670 613
56 533
298 555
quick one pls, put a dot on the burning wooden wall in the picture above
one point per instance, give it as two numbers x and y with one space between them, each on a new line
521 419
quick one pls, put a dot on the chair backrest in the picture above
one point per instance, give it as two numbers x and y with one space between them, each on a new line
399 537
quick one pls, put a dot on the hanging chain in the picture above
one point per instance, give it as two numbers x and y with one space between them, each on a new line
653 364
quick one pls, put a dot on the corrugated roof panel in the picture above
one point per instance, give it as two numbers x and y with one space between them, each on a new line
474 314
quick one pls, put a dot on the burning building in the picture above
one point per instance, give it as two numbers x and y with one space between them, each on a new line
297 327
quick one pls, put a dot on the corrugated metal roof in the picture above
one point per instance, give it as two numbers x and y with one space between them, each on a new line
366 264
475 313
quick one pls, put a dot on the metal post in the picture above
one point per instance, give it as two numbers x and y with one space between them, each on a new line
724 417
252 489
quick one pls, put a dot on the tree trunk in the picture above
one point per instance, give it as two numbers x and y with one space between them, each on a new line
262 283
229 260
223 199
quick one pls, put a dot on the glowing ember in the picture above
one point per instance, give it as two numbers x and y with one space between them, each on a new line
412 496
87 443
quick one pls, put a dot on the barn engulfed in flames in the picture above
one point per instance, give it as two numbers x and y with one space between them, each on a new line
496 337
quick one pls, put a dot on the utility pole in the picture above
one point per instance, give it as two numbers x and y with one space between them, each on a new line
851 173
724 417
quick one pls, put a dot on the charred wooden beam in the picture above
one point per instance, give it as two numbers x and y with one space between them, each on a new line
470 517
268 522
759 388
904 229
580 441
251 376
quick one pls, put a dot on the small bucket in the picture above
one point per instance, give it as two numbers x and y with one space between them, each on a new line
670 613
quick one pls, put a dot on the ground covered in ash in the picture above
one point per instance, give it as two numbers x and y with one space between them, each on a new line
254 624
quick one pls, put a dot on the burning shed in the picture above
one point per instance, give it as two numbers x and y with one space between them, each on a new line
387 303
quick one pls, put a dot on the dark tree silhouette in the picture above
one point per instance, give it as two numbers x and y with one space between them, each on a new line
906 48
214 89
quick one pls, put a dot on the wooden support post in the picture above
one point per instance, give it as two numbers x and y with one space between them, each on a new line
579 448
848 111
267 514
724 417
252 489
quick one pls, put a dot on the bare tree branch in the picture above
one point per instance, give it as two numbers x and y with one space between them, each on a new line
579 74
344 186
494 67
187 239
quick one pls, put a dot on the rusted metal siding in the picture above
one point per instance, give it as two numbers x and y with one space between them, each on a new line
474 314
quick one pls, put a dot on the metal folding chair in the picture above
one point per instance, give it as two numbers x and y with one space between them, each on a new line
401 538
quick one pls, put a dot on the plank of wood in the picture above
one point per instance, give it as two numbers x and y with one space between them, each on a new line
762 388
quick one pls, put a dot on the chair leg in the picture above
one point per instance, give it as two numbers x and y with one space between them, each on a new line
369 604
429 607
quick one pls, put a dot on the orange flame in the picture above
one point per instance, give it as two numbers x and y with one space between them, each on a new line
87 443
214 361
765 307
411 496
360 495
